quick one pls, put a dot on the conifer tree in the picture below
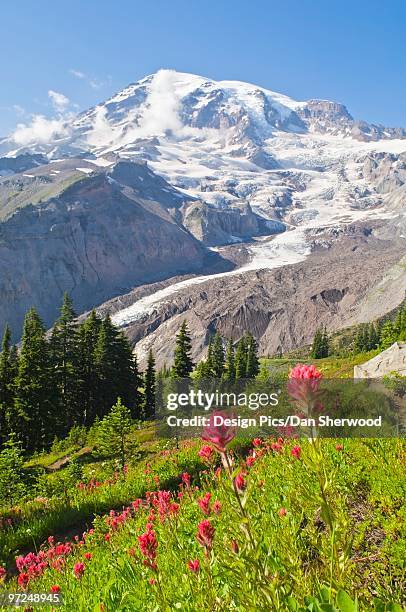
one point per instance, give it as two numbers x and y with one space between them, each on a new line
388 335
229 366
63 355
208 367
8 372
183 364
361 342
87 375
113 433
373 339
12 482
149 404
252 368
241 359
33 415
217 356
325 343
321 344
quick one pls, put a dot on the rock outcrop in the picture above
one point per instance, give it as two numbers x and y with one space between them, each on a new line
96 239
393 359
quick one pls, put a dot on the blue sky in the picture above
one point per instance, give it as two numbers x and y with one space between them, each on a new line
353 52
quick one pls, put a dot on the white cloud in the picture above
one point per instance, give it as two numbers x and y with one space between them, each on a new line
162 105
59 101
40 130
77 73
92 81
18 109
102 133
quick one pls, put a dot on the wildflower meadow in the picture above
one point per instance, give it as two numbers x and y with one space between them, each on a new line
220 523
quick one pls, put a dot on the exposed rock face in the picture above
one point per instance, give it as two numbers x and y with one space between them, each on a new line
327 117
227 161
282 308
393 359
216 226
21 163
96 239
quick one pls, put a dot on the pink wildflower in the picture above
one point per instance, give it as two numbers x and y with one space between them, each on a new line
220 435
194 566
295 452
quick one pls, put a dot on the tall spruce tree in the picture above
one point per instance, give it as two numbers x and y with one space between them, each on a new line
252 368
325 343
229 366
388 335
116 369
241 359
87 374
34 414
149 388
64 359
8 373
317 345
183 364
217 365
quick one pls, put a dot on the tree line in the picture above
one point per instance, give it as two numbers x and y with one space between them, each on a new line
368 336
74 374
382 335
71 376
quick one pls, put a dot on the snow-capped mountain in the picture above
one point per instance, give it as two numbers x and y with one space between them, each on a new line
229 142
225 161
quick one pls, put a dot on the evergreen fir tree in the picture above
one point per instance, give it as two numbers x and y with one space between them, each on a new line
229 366
252 367
113 433
117 371
8 372
12 481
218 357
388 335
325 343
241 359
87 374
63 355
33 416
317 344
183 364
373 337
361 341
149 405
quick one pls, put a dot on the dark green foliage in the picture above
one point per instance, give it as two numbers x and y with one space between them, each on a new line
113 433
63 356
8 373
12 486
371 336
149 403
33 417
320 346
252 367
229 366
87 376
217 357
68 380
116 369
183 364
241 359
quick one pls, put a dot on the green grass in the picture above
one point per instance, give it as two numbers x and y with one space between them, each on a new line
363 490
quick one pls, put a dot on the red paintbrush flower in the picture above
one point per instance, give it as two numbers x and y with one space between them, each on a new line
219 434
